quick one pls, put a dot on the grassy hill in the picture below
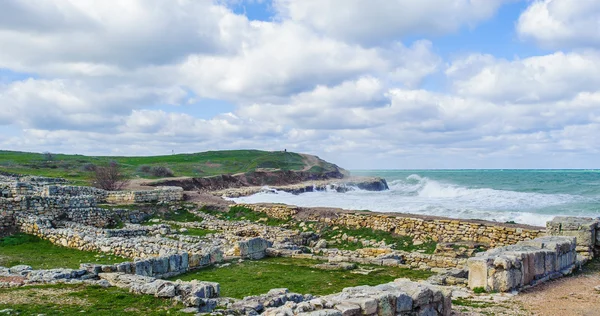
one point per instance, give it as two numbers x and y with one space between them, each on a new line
78 167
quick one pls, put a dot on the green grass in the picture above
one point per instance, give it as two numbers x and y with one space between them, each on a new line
84 300
470 303
404 243
199 232
41 254
237 213
479 290
298 275
180 215
203 164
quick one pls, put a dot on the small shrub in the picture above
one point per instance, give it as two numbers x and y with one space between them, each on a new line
161 171
88 167
156 171
144 169
109 177
48 156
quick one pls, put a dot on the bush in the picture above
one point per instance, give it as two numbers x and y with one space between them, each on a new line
156 171
109 177
161 171
88 167
144 169
48 156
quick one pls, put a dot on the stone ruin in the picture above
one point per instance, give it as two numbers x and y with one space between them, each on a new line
69 216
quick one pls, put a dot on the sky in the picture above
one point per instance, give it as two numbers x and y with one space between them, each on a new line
377 84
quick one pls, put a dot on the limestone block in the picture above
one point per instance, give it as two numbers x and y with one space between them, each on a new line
348 309
478 271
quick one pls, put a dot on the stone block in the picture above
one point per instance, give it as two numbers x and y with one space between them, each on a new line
348 309
478 271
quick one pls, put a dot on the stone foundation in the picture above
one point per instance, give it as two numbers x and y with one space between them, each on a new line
401 297
192 294
522 265
161 194
585 230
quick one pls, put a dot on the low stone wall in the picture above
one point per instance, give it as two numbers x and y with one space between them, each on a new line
525 264
161 267
66 190
444 230
12 189
401 297
194 294
585 230
380 257
88 239
161 194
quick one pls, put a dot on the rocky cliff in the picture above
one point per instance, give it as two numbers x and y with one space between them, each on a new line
256 178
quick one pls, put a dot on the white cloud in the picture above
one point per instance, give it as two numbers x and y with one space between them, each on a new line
561 23
535 79
67 104
376 21
123 78
127 34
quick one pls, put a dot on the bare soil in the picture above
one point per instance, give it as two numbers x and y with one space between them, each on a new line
574 295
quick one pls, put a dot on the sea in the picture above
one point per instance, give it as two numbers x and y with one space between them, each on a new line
522 196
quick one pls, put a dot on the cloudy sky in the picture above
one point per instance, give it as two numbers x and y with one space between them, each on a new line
363 83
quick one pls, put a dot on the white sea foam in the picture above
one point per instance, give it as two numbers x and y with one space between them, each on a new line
421 195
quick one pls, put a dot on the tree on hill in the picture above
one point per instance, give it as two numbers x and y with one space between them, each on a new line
109 177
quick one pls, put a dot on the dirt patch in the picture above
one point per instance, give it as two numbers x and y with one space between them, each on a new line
205 199
41 296
12 279
567 296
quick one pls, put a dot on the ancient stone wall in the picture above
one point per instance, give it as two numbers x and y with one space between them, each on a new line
525 264
162 194
194 294
586 230
441 230
88 239
401 297
67 190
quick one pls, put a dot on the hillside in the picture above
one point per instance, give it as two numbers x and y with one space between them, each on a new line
78 167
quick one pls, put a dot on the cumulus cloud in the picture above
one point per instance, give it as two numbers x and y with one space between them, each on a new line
67 104
535 79
561 23
126 34
123 78
376 21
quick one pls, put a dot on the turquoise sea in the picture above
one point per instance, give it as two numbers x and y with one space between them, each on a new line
523 196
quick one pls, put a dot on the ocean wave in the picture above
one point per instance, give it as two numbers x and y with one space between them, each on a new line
417 194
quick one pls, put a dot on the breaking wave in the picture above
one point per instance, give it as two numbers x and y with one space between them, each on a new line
418 194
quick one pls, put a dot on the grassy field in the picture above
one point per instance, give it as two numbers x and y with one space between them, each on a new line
64 299
404 243
238 213
41 254
76 167
298 275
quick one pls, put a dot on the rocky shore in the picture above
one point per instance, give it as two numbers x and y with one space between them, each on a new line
338 185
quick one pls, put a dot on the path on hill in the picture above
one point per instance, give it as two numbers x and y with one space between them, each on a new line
309 161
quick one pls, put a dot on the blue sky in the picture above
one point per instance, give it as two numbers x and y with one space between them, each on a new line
365 84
